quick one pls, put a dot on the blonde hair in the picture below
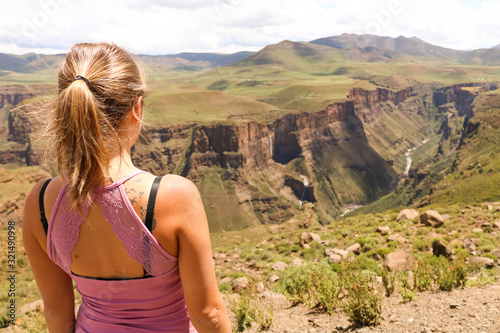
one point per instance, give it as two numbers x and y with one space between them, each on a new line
86 117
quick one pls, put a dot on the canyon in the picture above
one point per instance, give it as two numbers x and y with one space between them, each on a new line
252 173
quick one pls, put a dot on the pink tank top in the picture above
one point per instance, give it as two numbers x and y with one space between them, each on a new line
152 304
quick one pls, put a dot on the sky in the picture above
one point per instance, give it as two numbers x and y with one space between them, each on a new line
227 26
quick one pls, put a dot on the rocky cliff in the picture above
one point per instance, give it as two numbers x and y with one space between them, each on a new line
250 172
455 108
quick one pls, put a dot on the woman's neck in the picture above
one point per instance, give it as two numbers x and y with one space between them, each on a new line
120 166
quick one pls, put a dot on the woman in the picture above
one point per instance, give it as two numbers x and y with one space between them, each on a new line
137 246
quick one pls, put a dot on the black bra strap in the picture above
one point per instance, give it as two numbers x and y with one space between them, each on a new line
151 203
43 218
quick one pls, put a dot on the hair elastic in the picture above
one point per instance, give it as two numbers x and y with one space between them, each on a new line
79 77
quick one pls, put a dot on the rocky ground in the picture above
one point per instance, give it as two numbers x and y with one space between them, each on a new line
473 309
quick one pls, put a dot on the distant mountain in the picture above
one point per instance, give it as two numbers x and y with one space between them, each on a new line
188 59
389 47
30 62
496 46
484 57
291 54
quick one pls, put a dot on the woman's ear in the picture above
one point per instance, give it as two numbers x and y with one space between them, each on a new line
138 110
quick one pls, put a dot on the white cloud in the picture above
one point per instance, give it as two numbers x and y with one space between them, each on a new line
172 26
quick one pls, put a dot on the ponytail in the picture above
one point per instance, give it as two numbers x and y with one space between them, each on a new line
98 85
78 122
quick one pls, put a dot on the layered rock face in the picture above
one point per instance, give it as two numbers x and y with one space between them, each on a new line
454 103
15 145
372 97
257 172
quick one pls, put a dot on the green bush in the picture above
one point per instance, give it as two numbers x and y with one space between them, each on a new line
363 305
248 309
388 281
383 251
241 310
406 293
315 284
423 276
309 254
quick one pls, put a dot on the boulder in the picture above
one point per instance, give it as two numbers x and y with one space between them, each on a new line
496 253
334 258
477 230
279 266
431 218
469 244
407 214
260 287
440 249
225 280
496 225
399 261
308 237
485 225
273 278
383 230
355 248
340 252
240 283
396 238
487 262
296 262
31 307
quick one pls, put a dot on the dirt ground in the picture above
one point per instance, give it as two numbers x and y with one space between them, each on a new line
473 309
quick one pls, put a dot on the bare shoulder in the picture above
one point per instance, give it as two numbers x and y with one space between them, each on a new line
179 201
174 187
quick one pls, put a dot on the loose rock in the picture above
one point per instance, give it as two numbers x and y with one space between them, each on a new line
383 230
432 218
487 262
308 237
407 214
355 248
240 283
296 262
225 280
279 266
273 278
440 249
398 261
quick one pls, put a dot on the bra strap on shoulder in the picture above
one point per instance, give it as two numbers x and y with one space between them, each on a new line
151 203
43 218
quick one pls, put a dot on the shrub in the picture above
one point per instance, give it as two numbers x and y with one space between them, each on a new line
388 280
315 284
250 308
406 292
309 254
283 247
241 310
422 276
383 251
363 305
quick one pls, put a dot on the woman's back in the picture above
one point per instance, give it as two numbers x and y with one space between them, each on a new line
108 251
131 277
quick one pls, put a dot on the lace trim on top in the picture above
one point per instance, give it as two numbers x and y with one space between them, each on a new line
64 229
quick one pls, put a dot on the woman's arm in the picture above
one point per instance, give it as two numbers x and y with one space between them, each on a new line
54 284
183 210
